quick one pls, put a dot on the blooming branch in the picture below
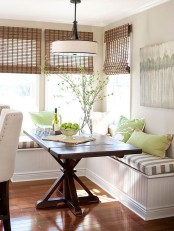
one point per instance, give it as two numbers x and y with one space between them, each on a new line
86 89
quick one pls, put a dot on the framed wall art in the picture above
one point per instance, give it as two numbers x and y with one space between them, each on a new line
157 75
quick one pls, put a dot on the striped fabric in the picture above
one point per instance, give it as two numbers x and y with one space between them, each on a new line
148 164
28 144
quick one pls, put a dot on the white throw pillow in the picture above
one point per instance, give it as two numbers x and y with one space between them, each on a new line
100 122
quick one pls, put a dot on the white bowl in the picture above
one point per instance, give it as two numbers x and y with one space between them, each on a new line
70 132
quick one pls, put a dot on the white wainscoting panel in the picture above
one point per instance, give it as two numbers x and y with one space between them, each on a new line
146 196
38 164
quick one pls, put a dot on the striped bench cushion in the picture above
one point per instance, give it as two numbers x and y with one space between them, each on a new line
148 164
26 142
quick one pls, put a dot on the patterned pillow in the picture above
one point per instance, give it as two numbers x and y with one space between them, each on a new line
126 127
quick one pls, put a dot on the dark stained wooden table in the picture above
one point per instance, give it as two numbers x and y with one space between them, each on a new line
68 156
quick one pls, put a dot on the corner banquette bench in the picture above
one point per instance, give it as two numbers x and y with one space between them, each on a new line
142 182
146 185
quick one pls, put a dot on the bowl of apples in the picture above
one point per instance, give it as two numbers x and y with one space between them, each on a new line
69 129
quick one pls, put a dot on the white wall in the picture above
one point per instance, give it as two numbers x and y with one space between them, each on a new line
150 27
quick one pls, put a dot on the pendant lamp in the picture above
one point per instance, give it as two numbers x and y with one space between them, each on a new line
74 46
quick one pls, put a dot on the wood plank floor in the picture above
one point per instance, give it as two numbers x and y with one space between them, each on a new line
108 215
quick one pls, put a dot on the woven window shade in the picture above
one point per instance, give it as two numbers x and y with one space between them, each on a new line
20 50
66 64
117 50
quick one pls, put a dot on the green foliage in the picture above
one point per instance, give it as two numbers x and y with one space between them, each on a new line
86 89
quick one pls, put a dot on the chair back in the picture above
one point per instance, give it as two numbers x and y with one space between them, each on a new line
3 106
10 127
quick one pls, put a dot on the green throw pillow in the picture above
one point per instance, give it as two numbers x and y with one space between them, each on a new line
152 144
126 127
42 118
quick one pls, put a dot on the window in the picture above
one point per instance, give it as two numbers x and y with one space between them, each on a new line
117 50
119 103
67 106
117 56
20 50
20 92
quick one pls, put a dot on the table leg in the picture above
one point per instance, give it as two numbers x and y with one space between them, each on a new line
86 199
65 186
46 202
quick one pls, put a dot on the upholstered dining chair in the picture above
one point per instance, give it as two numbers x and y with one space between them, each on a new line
3 106
10 127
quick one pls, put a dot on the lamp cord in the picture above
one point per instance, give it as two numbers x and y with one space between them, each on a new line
74 33
75 11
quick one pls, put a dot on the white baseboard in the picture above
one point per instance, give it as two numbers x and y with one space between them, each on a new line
41 175
160 213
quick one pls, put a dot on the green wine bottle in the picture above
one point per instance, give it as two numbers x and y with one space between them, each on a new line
55 121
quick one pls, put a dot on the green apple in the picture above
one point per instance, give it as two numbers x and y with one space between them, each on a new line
69 126
75 126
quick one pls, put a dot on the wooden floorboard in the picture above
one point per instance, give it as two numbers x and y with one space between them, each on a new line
108 215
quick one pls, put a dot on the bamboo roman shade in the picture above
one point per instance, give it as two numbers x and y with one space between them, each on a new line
20 50
66 64
117 50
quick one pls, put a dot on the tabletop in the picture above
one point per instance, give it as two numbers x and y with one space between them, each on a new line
101 146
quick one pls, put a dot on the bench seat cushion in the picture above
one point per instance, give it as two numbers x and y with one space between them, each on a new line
148 164
26 142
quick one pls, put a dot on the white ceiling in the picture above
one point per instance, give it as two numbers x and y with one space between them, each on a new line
89 12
